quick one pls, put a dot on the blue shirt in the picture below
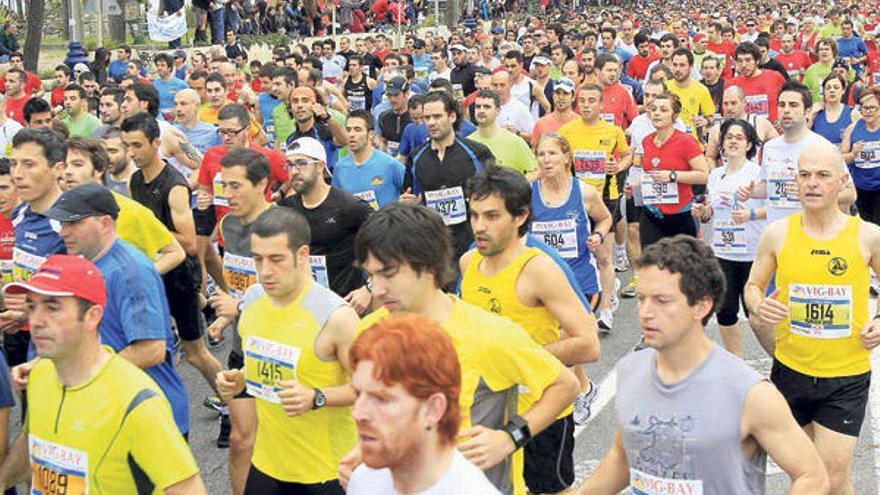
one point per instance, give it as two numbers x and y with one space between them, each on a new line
36 236
852 47
202 136
267 104
167 90
415 135
7 399
117 69
381 174
137 309
181 72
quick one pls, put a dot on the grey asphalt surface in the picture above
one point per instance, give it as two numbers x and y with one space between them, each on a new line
592 441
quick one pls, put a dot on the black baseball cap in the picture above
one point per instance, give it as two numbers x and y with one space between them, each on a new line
87 200
396 85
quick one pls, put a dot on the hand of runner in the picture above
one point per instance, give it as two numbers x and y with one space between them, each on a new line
856 148
660 176
870 334
348 464
611 166
359 299
485 447
295 397
771 310
740 216
204 200
229 383
409 196
628 191
224 305
21 373
745 193
594 242
215 329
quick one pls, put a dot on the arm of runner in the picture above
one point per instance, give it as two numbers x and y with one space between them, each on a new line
612 475
16 469
847 148
763 269
712 147
181 216
870 236
580 342
599 215
169 257
767 418
191 486
176 144
145 353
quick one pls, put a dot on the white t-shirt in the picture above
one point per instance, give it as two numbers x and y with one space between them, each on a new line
522 92
446 74
516 113
730 241
462 478
8 131
779 163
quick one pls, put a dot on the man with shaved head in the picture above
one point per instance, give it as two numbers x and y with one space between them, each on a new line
733 106
810 281
201 134
513 116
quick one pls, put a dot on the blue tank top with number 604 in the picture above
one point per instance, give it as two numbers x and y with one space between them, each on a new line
566 228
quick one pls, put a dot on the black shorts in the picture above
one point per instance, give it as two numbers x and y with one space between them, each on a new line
259 483
633 212
182 289
835 403
205 221
549 458
613 206
736 274
652 229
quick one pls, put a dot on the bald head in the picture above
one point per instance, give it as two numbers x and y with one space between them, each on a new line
501 85
188 96
735 92
824 155
820 176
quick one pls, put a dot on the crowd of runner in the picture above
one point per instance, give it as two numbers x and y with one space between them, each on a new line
415 249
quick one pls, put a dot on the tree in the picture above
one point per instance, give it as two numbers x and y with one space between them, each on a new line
35 12
117 24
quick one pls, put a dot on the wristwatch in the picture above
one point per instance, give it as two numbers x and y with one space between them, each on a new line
518 429
320 399
673 176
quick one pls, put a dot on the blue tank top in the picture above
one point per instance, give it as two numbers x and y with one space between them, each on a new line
833 131
865 168
267 105
566 228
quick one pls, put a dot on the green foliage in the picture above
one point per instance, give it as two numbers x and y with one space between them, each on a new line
273 39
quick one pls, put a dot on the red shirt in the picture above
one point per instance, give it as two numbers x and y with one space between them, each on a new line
619 102
7 243
675 154
725 48
57 96
211 167
761 92
637 67
807 45
795 63
15 108
874 68
32 83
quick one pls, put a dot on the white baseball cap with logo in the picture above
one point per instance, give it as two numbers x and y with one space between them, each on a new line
309 147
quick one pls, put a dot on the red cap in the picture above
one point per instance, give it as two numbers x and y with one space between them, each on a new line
698 37
65 275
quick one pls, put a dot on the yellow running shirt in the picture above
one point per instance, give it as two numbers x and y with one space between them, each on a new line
278 344
591 146
107 436
826 287
496 357
138 226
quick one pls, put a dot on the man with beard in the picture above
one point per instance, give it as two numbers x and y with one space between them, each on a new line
408 379
313 120
121 168
110 111
334 218
760 86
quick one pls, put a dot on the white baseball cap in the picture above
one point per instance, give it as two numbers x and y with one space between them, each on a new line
309 147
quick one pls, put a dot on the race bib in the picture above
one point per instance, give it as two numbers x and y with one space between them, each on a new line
449 203
458 91
267 362
25 264
561 234
270 135
420 72
239 272
758 105
728 237
820 311
875 79
393 146
57 469
780 183
219 187
869 156
645 484
319 270
654 192
6 271
357 103
607 117
369 196
590 165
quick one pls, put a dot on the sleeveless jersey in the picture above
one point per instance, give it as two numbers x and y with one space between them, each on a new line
566 228
832 131
825 286
685 437
279 345
358 94
865 169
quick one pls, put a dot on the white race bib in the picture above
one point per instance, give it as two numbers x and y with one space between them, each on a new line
369 196
820 311
393 146
780 182
57 469
449 203
239 273
646 484
319 270
869 156
728 237
590 165
607 117
219 187
561 234
267 362
654 192
25 264
758 105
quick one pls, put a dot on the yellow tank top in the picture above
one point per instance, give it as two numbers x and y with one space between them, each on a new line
497 293
825 285
279 344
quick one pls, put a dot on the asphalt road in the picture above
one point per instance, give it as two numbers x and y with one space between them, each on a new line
592 440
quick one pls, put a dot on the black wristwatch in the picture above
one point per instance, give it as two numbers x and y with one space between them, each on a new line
518 429
320 399
673 176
